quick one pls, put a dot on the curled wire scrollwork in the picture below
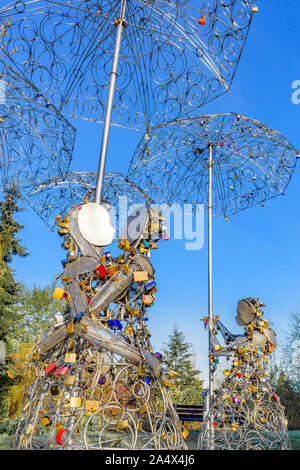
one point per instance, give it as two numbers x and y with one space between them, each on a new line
251 162
175 56
36 142
56 195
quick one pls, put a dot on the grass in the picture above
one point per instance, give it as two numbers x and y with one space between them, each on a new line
295 439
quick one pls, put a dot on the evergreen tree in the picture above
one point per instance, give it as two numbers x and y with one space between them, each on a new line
177 357
9 247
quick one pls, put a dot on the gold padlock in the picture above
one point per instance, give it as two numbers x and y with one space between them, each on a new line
70 380
92 405
126 268
184 432
128 330
124 245
75 402
70 328
172 374
122 424
141 371
167 383
113 270
140 276
70 357
46 421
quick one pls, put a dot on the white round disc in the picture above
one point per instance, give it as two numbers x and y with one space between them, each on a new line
95 224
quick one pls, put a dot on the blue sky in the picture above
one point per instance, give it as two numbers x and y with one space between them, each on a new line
256 253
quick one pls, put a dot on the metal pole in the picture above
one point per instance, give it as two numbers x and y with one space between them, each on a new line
210 294
109 105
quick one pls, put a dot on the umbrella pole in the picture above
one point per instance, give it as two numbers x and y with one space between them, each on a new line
109 105
210 297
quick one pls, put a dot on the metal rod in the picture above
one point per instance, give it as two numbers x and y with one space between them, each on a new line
210 295
109 105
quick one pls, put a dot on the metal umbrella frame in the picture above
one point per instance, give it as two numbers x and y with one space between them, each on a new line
175 57
56 195
36 142
227 162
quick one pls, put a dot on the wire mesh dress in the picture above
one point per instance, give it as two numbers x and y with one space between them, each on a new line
99 384
246 413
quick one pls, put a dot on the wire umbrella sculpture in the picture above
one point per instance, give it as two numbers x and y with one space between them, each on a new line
36 142
174 56
57 194
227 162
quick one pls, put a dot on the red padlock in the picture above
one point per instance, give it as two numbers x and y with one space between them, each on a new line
201 21
61 371
100 271
61 436
50 368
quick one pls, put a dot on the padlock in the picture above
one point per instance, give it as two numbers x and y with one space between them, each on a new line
150 286
113 270
61 436
70 358
100 271
75 402
54 390
69 380
63 222
60 294
172 374
114 325
58 426
46 421
184 432
78 316
147 299
167 383
92 405
126 269
129 330
143 249
124 245
70 328
122 425
63 231
140 276
50 369
61 371
153 245
141 371
102 380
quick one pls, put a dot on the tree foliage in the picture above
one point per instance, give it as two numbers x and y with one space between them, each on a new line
34 311
178 357
10 247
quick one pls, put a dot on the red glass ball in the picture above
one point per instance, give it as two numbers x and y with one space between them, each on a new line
201 21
